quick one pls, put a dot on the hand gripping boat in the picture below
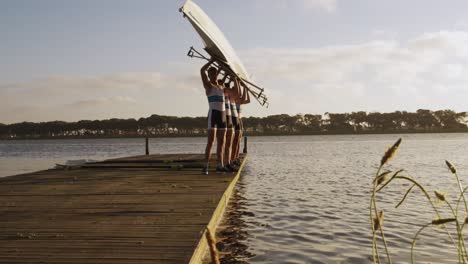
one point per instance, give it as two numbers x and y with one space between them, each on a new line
218 47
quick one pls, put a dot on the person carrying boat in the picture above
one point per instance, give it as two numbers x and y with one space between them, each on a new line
242 97
230 95
216 115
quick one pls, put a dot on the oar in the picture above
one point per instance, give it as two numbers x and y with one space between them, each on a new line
259 96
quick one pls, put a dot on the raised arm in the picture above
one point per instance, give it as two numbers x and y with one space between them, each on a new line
245 98
204 75
224 79
236 89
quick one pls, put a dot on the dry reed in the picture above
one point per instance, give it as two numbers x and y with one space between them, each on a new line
381 181
212 245
390 152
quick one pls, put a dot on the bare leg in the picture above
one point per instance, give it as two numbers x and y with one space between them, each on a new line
229 146
221 136
238 145
235 145
209 145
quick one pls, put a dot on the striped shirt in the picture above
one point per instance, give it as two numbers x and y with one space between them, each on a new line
216 98
234 109
227 105
238 106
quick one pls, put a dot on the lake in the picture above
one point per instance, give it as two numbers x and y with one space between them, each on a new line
307 196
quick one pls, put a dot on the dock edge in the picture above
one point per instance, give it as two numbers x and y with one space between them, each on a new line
202 247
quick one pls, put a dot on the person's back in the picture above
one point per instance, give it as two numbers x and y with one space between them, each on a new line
240 100
228 150
216 115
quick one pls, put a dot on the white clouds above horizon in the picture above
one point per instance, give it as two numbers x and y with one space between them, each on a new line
94 97
426 71
384 58
106 101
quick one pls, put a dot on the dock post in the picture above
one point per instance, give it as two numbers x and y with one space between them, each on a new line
147 146
245 145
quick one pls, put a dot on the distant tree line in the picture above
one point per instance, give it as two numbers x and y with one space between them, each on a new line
330 123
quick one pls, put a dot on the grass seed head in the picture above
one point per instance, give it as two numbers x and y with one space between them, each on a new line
451 167
378 220
390 152
440 196
382 177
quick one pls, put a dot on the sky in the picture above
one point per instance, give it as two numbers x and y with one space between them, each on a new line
97 59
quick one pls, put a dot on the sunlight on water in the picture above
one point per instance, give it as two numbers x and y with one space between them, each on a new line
308 195
30 155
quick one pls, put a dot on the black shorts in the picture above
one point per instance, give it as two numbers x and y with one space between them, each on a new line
229 120
235 123
217 119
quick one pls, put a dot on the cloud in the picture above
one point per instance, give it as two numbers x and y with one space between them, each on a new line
115 83
448 42
132 94
81 84
426 71
429 70
106 101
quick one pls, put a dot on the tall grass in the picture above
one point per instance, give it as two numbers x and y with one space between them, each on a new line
458 216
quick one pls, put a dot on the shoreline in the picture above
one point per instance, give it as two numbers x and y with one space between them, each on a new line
332 133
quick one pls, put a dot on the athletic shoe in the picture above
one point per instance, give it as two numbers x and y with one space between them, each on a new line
232 168
205 170
221 169
229 168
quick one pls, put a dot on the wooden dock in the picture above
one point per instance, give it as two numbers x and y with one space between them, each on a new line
145 209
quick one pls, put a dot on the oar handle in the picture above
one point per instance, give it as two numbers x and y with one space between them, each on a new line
220 64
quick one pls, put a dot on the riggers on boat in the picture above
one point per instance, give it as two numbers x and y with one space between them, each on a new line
219 48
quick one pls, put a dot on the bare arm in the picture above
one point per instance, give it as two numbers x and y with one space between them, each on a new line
236 90
245 98
227 85
224 78
204 76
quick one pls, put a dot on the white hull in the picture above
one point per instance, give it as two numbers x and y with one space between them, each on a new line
215 42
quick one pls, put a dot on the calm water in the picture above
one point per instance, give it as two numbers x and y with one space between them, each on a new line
308 195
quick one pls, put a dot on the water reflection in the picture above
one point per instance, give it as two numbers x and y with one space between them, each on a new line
310 197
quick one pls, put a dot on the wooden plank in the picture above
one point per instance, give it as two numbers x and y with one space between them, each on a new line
111 215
